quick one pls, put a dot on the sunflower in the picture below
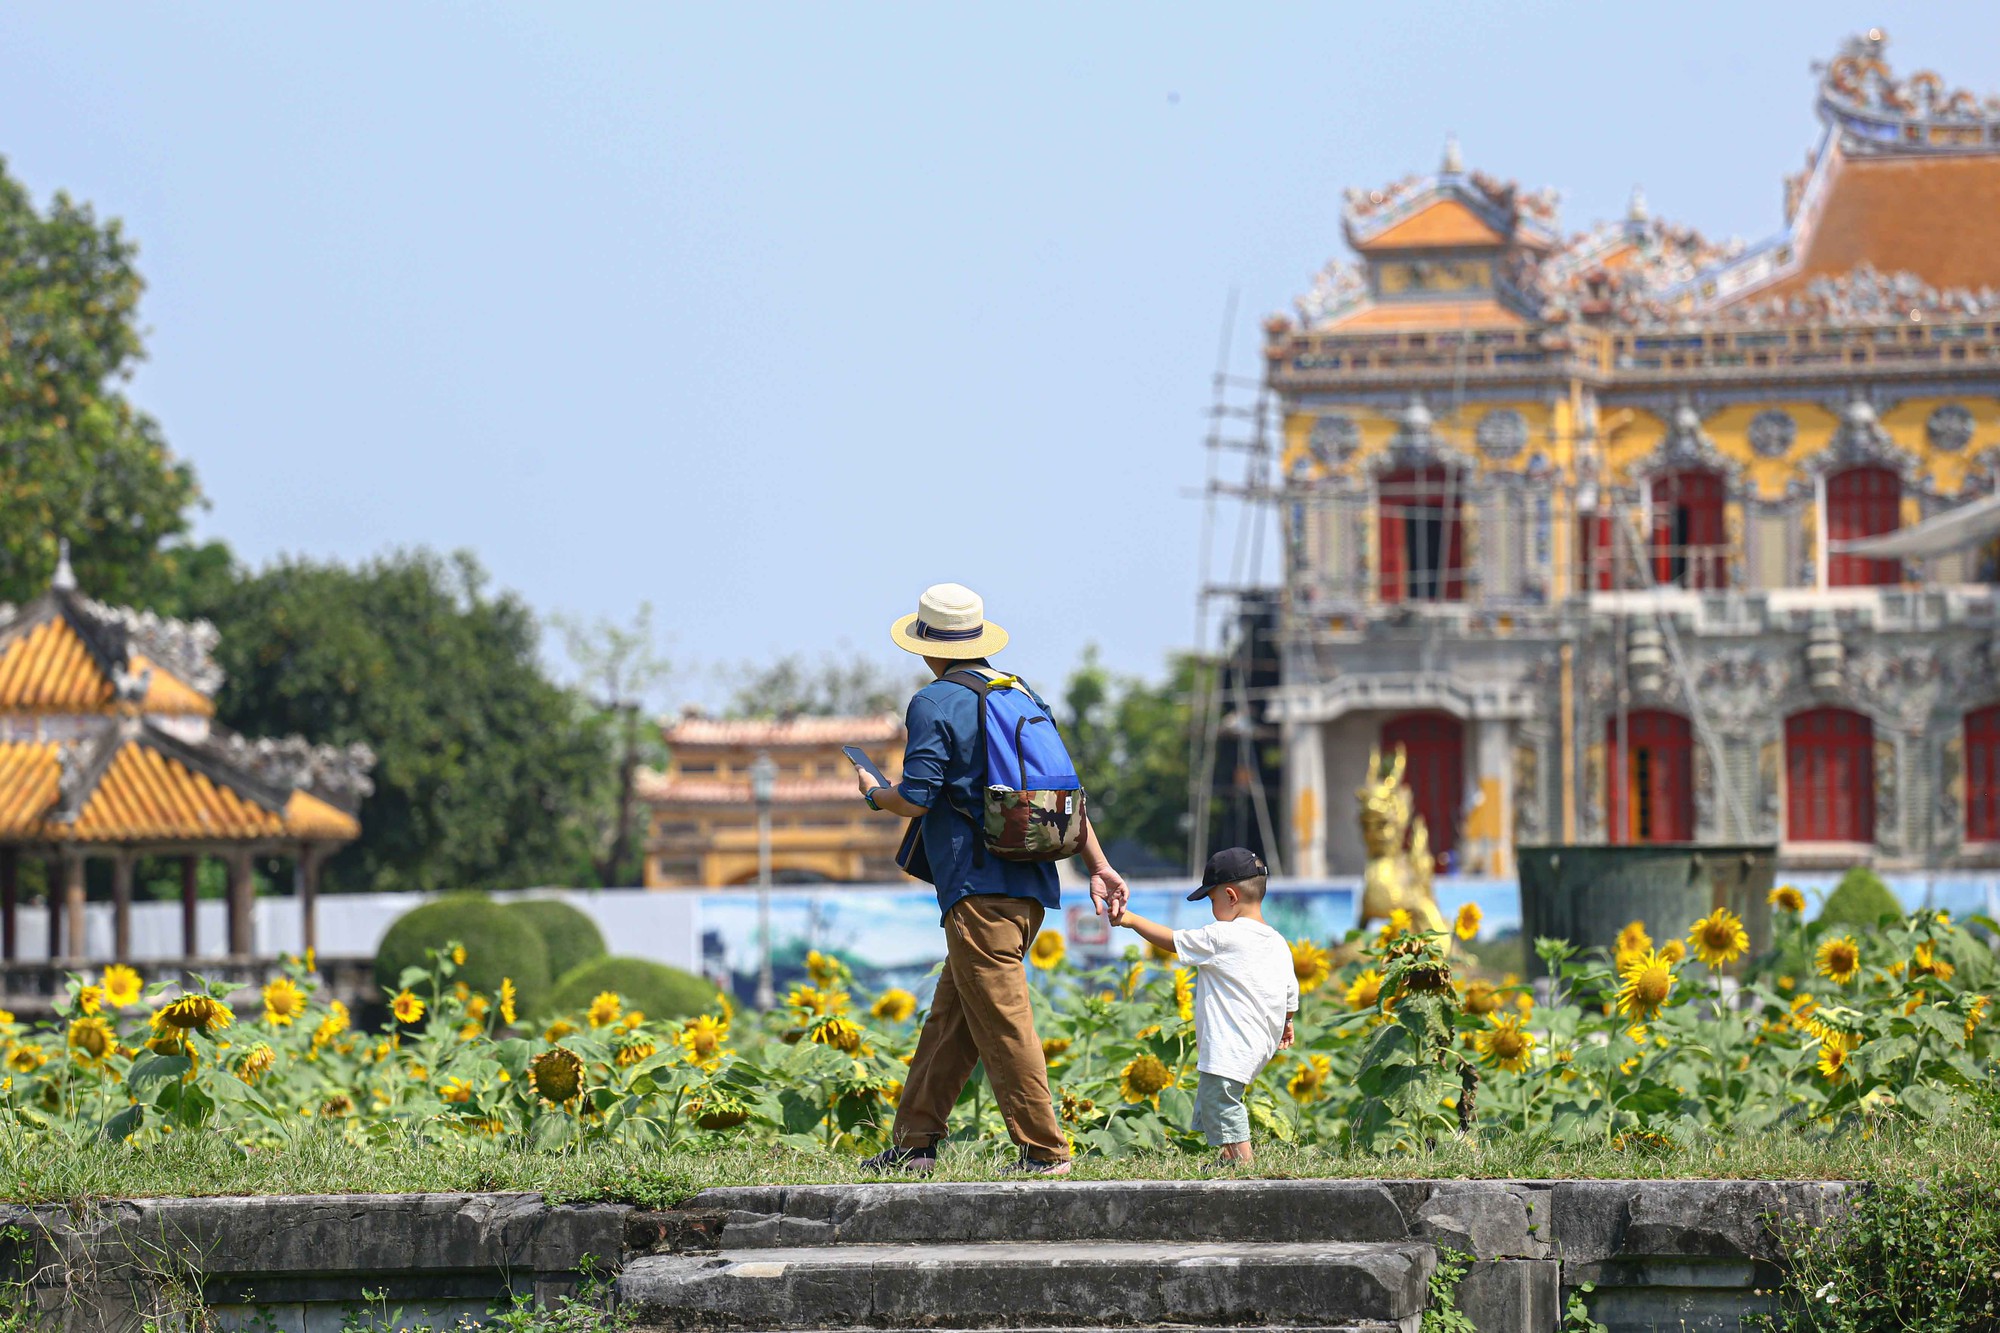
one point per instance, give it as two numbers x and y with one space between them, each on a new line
894 1006
337 1106
558 1030
1309 1079
1506 1045
26 1058
1634 939
605 1010
407 1008
837 1033
1479 999
1674 952
1184 993
201 1013
1838 959
632 1050
92 1039
632 1021
458 955
1976 1014
335 1023
1365 991
1467 924
725 1112
507 997
256 1062
283 1001
478 1007
812 1002
1787 899
701 1040
1048 950
1718 939
1399 923
1074 1108
1834 1049
1145 1079
1134 974
1053 1047
1927 963
90 999
1648 981
1311 965
556 1076
121 986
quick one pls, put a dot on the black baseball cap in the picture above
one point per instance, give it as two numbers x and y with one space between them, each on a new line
1231 865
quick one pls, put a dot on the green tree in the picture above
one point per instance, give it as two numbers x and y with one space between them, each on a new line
488 774
77 460
621 671
853 687
1129 738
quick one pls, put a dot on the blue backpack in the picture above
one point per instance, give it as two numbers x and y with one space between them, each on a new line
1034 806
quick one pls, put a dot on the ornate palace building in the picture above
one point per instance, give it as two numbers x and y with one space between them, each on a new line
702 826
1627 535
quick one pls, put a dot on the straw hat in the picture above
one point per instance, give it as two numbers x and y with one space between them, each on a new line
950 622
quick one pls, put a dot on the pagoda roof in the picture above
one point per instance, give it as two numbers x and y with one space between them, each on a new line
694 730
1448 210
64 653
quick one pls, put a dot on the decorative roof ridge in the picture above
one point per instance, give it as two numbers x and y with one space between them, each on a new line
1872 113
1501 205
81 764
183 647
338 775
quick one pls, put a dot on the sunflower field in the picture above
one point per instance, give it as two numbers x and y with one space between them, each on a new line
1401 1041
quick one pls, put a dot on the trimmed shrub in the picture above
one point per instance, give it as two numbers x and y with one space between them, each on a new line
498 943
654 988
569 934
1860 899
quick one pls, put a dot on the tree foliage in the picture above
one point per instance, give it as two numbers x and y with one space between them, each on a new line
77 460
489 775
1129 738
621 670
835 687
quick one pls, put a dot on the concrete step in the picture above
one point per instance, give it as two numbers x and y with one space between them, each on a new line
1227 1211
1017 1285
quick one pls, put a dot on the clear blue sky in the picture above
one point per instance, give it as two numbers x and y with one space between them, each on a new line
773 315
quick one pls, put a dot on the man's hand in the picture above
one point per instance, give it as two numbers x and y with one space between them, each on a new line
863 781
1285 1040
1108 893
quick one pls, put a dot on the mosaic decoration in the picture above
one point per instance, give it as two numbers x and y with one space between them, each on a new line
1772 433
1949 428
1502 433
1334 439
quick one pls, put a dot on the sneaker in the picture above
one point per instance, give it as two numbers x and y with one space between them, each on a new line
1030 1166
905 1161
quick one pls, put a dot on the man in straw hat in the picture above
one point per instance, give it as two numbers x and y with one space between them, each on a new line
993 908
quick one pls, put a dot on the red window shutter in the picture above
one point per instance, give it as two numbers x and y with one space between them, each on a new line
1862 502
1435 744
1982 775
1655 802
1829 776
1391 496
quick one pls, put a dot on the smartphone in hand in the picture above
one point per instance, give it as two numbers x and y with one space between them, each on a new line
859 758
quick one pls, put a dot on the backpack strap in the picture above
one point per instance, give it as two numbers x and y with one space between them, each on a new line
981 686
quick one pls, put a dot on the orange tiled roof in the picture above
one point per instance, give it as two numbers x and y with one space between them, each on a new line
1427 315
1937 217
168 693
49 670
147 795
1446 222
797 731
663 790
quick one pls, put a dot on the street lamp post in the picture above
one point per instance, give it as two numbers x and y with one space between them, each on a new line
763 777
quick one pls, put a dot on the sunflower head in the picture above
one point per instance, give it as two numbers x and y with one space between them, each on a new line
256 1062
701 1040
1311 965
196 1013
722 1112
407 1008
837 1033
1718 939
337 1106
813 1002
605 1010
27 1057
507 997
1479 999
92 1039
1184 993
1145 1079
1506 1045
894 1006
283 1001
633 1048
1466 924
1927 963
1048 950
824 969
1647 982
1786 898
121 986
1365 990
1053 1047
556 1076
1634 939
1309 1079
1838 959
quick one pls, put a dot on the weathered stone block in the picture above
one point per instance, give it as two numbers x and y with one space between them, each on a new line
1485 1219
1512 1295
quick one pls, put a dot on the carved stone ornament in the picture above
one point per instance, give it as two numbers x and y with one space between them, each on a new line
1686 447
1502 434
1772 432
1334 439
1735 687
1949 428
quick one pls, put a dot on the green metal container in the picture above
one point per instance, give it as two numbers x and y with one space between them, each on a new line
1587 894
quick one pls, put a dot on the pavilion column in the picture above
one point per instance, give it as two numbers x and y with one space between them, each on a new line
53 877
190 880
242 897
305 878
121 907
72 910
10 902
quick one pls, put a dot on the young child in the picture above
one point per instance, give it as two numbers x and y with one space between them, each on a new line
1245 993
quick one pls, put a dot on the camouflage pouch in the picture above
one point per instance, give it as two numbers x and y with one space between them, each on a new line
1033 825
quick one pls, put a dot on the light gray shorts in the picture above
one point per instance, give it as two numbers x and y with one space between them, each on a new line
1219 1113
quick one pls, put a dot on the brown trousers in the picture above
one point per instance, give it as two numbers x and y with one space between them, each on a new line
981 1012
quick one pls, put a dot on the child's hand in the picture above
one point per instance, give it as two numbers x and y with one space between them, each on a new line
1114 912
1285 1040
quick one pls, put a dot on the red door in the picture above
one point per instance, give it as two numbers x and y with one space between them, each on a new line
1655 802
1593 542
1421 537
1689 548
1982 775
1435 744
1862 502
1829 776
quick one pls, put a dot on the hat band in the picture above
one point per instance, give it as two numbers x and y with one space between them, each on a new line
924 631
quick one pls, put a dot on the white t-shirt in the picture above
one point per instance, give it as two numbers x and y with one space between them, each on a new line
1244 986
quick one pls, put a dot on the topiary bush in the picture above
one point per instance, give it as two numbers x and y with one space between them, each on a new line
1860 899
498 943
656 989
568 933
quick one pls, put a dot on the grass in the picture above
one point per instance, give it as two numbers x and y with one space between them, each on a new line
40 1168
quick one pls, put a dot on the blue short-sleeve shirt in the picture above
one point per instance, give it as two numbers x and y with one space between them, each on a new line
944 772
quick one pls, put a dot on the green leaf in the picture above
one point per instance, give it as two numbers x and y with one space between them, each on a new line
1177 1107
154 1068
123 1125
